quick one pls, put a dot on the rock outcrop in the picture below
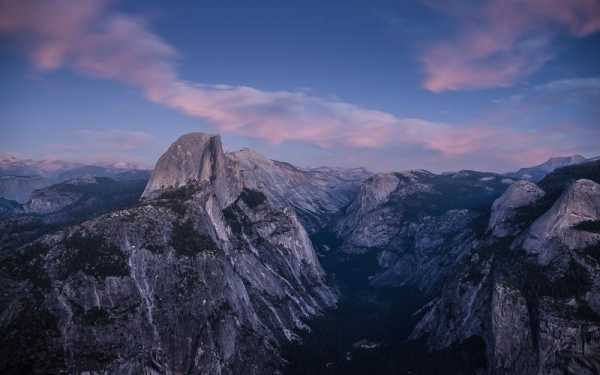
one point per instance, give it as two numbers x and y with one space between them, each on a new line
203 276
536 173
418 223
212 270
195 158
317 194
557 231
532 293
63 204
504 219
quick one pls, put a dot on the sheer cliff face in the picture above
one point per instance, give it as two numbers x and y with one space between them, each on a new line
504 221
203 276
418 223
531 288
558 230
195 158
212 270
316 194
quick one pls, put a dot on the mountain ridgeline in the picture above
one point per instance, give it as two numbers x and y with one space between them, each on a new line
231 263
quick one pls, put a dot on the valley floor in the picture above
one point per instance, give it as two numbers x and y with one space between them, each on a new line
367 333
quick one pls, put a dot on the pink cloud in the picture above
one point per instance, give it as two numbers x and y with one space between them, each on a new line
88 37
502 41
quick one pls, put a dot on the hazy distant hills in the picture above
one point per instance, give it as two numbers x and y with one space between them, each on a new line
11 165
537 172
20 177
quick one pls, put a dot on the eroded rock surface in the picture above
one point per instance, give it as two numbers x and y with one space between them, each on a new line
520 194
532 294
194 279
556 232
317 194
418 223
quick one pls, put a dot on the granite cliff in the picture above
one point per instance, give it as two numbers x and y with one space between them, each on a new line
203 276
529 289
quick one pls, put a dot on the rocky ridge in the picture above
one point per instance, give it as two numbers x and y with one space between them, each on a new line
537 172
317 194
19 178
209 274
503 220
418 223
214 265
532 293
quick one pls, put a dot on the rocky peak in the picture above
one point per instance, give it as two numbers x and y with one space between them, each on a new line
209 279
377 189
194 157
519 194
557 162
370 221
537 172
316 194
557 228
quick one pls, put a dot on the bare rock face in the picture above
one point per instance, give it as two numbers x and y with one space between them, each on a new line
512 339
199 278
532 294
417 223
557 229
421 251
317 194
518 195
198 158
368 222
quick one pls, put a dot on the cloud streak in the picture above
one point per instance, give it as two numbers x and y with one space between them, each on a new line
88 37
501 41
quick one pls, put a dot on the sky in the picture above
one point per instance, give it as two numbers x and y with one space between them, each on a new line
389 85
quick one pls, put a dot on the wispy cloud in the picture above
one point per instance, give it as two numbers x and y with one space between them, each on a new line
500 41
91 38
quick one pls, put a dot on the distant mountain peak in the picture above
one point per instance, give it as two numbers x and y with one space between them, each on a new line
561 161
537 172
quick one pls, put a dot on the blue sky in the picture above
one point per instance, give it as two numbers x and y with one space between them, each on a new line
440 85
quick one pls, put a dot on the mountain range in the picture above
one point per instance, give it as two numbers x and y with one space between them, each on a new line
19 178
230 263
